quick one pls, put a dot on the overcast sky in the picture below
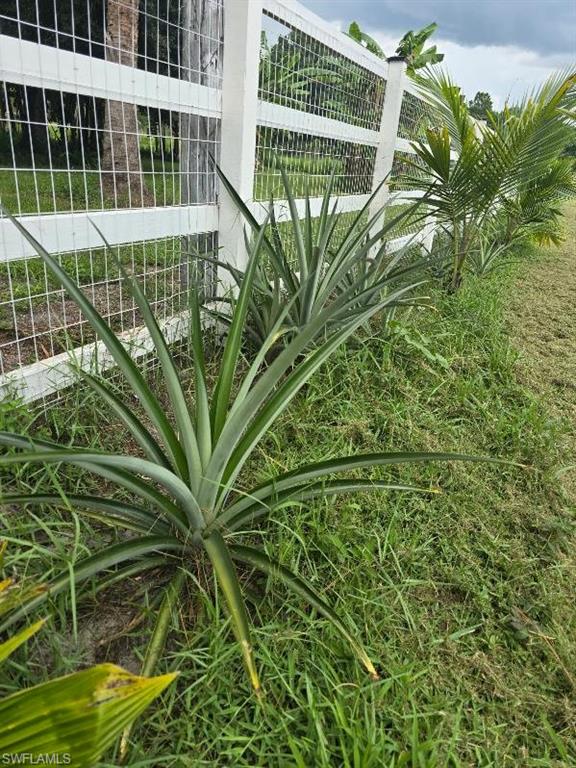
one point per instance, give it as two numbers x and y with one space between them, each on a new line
504 47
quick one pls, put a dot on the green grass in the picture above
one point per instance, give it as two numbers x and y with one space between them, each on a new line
465 598
23 279
44 191
542 322
268 183
309 171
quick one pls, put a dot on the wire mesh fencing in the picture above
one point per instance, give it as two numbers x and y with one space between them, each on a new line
68 151
415 116
111 113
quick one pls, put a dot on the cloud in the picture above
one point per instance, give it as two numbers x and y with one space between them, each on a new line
494 56
545 26
503 71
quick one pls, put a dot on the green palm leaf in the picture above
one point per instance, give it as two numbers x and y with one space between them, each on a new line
72 719
76 717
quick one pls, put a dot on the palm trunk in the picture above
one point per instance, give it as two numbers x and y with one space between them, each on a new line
462 247
456 278
121 163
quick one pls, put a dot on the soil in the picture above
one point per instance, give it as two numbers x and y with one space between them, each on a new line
42 330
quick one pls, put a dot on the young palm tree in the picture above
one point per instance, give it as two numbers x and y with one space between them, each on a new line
535 211
532 208
474 174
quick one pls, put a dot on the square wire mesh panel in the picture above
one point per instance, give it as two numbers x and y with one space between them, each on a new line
68 152
309 162
415 117
38 320
407 167
179 38
302 73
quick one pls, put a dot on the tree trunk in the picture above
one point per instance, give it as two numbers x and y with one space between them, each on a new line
34 137
70 122
200 63
121 163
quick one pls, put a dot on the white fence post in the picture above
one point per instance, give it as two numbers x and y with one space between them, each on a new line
242 26
388 130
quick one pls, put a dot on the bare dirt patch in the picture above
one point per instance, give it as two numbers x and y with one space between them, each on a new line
42 329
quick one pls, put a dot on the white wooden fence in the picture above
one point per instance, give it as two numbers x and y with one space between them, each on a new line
186 83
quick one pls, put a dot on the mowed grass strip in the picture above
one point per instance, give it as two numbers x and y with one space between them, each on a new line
542 321
465 597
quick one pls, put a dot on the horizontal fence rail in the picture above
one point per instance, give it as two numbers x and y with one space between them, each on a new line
284 118
43 66
115 112
71 232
